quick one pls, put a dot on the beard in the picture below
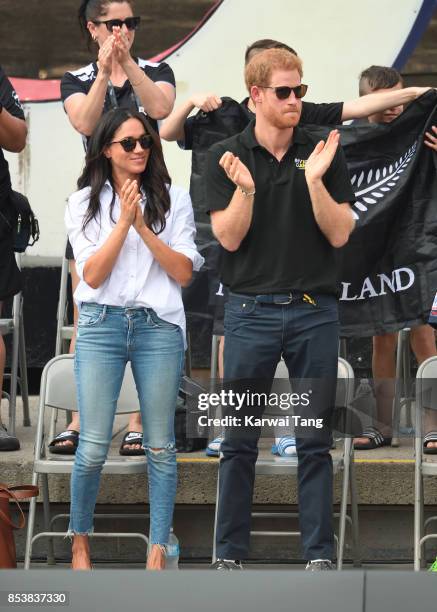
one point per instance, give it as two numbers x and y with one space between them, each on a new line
284 120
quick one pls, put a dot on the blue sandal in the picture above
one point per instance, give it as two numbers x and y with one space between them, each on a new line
286 447
213 448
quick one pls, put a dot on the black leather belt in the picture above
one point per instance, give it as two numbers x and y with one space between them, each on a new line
280 299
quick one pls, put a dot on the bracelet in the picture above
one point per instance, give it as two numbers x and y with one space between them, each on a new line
246 193
139 82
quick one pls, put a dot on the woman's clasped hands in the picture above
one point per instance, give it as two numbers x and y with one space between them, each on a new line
130 204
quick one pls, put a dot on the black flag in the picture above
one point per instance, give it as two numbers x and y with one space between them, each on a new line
388 269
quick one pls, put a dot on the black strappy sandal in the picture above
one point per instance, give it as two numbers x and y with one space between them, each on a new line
376 439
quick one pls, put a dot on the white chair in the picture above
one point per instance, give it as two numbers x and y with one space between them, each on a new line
426 397
58 392
343 464
14 326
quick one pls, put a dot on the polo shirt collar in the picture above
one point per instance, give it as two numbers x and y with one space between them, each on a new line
249 140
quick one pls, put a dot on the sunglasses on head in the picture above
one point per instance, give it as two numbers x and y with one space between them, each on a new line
130 142
130 22
283 92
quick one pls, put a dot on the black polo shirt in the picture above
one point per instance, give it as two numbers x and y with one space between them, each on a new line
284 249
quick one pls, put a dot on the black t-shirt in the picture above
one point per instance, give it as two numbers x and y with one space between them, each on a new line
284 249
11 103
321 114
81 81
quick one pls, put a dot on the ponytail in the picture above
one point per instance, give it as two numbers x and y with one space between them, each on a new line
83 18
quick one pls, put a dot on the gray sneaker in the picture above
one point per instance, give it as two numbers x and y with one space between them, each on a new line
223 565
8 442
319 565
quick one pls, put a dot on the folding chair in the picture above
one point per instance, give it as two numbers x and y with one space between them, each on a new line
426 397
343 464
64 331
14 325
403 384
58 392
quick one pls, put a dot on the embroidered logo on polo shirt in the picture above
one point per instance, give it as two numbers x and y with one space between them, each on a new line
300 163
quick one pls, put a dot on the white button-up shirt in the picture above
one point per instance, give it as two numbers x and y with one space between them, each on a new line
137 279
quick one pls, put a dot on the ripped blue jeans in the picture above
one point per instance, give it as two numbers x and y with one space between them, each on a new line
107 338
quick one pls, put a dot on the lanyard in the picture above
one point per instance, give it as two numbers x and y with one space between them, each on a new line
114 102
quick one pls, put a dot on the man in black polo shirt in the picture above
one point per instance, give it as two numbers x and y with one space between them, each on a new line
219 118
279 204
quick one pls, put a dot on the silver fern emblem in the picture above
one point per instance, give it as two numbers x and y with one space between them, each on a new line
375 184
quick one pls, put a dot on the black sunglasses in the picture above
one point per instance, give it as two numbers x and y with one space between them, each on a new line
283 92
131 23
130 142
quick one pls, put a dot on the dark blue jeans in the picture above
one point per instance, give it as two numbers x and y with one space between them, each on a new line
256 335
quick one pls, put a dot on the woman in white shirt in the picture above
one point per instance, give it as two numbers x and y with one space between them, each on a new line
133 240
116 78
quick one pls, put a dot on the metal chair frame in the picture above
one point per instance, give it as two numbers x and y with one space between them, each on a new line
426 372
58 392
404 394
14 326
64 331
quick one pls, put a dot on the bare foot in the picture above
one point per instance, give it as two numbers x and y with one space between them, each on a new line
81 561
156 558
81 553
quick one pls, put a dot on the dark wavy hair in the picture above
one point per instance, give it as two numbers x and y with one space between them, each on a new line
90 10
155 180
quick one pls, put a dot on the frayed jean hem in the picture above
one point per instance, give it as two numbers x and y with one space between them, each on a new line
72 532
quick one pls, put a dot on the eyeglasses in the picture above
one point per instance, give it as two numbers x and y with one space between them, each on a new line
130 22
284 92
130 142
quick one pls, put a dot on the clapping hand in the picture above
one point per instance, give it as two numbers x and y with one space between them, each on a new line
237 172
129 200
106 55
321 158
139 222
121 46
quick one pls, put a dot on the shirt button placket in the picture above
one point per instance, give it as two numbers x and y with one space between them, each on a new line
132 264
